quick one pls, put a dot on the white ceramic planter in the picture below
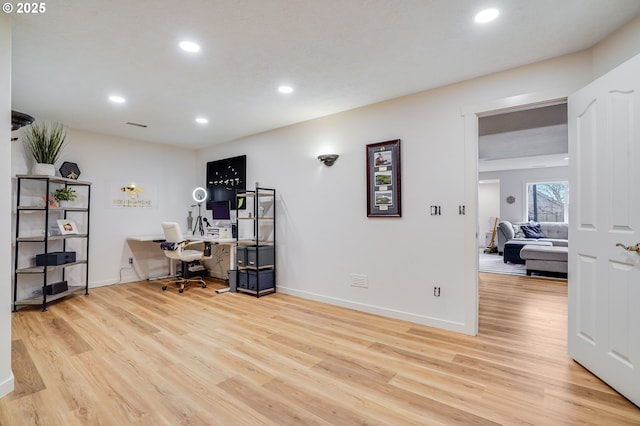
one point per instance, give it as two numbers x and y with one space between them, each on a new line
42 169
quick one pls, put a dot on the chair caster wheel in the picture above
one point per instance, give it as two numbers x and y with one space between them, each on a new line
164 288
204 286
180 290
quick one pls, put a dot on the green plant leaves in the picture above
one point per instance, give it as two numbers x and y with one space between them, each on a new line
45 142
65 194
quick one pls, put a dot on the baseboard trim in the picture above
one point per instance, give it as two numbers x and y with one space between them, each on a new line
7 386
378 310
96 284
371 309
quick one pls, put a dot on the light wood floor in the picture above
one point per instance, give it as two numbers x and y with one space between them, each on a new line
132 354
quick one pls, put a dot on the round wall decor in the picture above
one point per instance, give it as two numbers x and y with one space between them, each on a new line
511 199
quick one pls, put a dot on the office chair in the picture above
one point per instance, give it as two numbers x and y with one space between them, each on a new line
175 248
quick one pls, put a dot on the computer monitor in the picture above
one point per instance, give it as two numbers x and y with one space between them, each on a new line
221 210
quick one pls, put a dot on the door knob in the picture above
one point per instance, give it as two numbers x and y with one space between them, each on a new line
635 248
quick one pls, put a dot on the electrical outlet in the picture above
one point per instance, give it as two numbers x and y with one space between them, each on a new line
131 261
436 291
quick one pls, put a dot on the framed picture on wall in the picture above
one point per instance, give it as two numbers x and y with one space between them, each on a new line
383 179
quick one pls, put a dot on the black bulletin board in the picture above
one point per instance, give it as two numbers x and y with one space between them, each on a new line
224 177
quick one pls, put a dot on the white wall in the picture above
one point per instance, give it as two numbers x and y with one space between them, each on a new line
488 209
106 161
513 183
323 230
6 376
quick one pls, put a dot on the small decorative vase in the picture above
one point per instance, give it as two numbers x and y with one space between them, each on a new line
42 169
189 221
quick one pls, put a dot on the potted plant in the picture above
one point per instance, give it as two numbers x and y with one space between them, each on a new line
65 194
46 143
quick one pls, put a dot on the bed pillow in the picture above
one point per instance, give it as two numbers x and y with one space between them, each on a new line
532 231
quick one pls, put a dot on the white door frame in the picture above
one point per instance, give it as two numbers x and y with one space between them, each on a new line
470 255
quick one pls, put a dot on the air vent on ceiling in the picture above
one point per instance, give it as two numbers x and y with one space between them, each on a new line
136 124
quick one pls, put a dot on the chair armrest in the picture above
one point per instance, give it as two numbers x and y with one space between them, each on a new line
206 251
189 243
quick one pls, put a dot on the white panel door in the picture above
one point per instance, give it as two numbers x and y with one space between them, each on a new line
604 278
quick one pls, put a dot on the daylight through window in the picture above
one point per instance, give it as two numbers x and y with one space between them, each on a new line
548 202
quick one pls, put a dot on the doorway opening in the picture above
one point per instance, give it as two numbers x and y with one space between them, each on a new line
517 150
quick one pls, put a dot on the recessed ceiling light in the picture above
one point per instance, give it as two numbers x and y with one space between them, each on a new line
201 120
189 46
285 89
117 99
486 15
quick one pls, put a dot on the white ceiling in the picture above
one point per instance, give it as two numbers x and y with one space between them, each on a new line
337 54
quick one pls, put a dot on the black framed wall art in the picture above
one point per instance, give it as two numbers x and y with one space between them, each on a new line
383 179
224 177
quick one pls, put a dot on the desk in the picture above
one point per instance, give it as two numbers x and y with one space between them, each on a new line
154 238
159 238
232 253
150 238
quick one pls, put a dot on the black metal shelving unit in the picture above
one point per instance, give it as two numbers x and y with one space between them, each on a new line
256 255
44 240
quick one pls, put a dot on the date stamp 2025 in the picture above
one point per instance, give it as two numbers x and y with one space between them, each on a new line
25 8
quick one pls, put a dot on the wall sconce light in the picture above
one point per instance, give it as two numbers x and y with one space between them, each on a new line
328 159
